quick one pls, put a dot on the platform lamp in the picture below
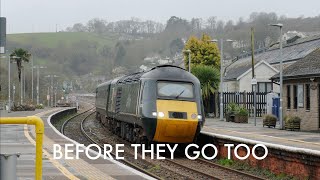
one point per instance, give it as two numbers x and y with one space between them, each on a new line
281 78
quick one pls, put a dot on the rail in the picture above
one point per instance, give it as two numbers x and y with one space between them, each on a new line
38 123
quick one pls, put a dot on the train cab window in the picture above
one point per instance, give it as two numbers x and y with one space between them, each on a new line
175 90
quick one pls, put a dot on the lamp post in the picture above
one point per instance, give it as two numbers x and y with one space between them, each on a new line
221 74
32 79
281 78
9 86
50 92
189 57
38 77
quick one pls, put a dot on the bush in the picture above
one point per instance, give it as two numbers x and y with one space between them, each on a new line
292 123
39 106
269 120
241 111
232 107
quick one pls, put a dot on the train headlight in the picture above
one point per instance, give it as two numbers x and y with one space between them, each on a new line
160 114
199 117
154 114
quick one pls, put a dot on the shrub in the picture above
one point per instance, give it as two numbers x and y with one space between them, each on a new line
293 119
232 107
39 106
269 120
241 111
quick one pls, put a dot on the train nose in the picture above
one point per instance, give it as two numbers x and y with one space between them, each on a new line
176 121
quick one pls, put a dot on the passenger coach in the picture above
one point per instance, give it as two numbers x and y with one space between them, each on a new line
162 105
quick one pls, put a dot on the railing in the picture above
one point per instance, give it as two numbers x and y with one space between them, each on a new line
31 120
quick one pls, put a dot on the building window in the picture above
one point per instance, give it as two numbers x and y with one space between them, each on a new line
288 97
295 97
264 86
308 96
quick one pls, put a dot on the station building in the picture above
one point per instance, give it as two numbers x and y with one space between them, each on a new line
301 90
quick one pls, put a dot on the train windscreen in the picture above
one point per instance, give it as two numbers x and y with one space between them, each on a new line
175 90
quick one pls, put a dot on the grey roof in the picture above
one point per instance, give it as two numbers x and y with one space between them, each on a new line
291 52
308 66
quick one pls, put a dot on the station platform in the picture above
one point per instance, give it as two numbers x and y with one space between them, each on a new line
296 139
21 139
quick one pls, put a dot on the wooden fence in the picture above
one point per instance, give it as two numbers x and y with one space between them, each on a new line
244 99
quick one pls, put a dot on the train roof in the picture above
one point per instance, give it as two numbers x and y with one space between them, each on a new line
157 72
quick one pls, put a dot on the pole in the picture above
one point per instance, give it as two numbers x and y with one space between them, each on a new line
252 51
24 84
48 97
55 97
51 93
189 61
37 85
221 81
14 92
21 89
9 86
32 79
254 87
281 81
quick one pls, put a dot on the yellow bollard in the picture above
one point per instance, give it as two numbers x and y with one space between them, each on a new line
31 120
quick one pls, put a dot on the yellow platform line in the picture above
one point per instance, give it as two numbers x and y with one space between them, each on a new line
59 166
300 141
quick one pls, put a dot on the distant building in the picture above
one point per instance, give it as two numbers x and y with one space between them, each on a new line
301 90
237 75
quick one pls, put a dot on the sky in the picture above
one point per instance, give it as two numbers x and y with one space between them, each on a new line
43 15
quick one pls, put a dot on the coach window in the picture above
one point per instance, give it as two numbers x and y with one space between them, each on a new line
288 97
307 96
295 97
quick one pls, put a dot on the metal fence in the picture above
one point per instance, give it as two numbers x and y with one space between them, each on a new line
244 99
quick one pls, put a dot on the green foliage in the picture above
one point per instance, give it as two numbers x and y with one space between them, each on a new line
20 55
209 78
232 107
225 162
242 111
202 51
293 119
39 106
270 117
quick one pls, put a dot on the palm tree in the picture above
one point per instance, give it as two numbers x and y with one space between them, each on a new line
20 55
209 78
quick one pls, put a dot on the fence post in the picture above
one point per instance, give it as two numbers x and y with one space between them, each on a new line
8 166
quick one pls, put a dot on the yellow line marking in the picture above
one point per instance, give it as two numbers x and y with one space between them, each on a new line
61 168
300 141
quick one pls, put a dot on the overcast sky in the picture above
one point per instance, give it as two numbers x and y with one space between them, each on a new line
43 15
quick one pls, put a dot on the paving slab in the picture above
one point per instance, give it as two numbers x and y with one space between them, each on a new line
299 139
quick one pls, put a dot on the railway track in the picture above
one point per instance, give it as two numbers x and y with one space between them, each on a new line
198 169
128 163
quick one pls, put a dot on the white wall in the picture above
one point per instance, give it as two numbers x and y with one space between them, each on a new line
230 86
263 73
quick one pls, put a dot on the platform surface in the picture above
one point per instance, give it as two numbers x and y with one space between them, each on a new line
20 139
298 139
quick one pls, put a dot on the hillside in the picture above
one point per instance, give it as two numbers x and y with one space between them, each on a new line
67 53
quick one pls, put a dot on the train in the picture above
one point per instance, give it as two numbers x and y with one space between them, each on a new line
162 105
